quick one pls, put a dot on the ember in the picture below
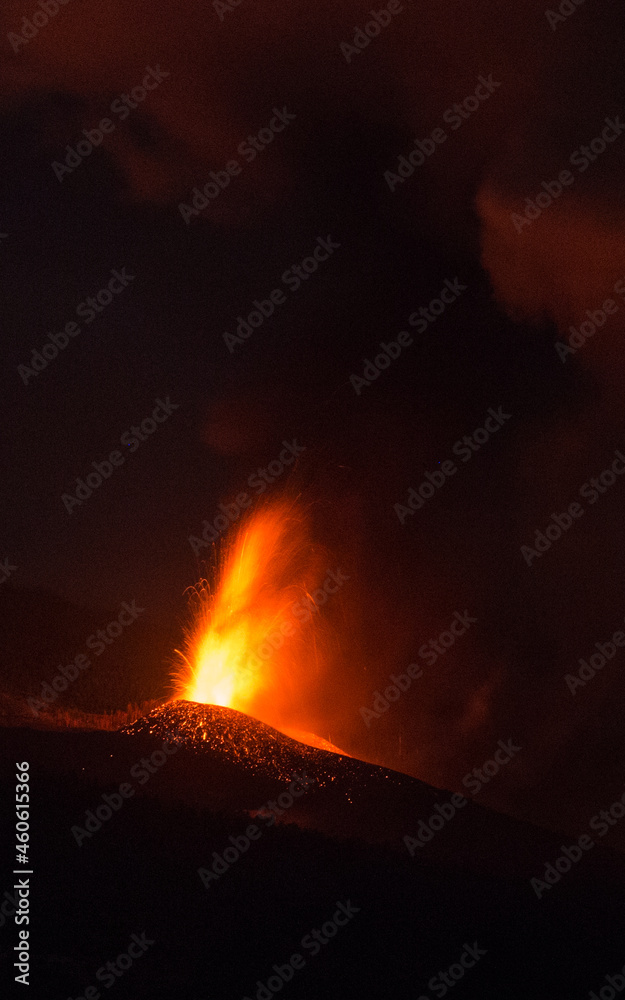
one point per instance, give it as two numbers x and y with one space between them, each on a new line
207 729
257 643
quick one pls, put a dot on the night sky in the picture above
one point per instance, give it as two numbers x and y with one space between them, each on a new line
534 91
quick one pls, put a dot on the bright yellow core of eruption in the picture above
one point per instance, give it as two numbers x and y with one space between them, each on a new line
256 642
234 625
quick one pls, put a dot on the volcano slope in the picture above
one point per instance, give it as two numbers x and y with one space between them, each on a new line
180 828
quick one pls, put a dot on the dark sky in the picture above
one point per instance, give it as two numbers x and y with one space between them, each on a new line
553 87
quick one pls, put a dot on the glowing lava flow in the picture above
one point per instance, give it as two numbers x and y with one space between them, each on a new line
256 643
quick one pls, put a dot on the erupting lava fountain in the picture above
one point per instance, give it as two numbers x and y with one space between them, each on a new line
257 644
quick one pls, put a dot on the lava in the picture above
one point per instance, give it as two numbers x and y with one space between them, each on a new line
257 643
241 739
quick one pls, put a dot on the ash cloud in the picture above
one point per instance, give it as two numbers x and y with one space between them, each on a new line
557 86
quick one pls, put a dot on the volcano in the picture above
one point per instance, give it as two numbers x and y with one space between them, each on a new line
239 757
228 843
213 727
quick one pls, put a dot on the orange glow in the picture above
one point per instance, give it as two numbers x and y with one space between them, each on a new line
256 643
